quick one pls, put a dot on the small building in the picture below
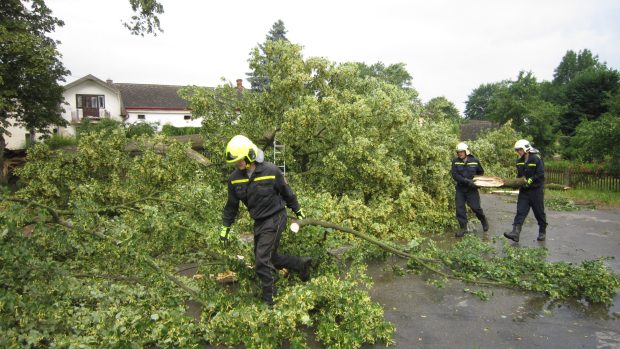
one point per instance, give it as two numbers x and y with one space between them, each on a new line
471 129
155 104
92 98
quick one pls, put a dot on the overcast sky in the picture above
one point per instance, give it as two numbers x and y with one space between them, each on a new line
449 47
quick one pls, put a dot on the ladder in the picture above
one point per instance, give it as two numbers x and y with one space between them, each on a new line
278 149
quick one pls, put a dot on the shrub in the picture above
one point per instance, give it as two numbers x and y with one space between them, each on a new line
170 130
495 151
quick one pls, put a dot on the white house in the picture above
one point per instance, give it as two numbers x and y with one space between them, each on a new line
132 103
92 98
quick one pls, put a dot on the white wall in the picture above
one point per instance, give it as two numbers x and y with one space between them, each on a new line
17 140
89 87
175 118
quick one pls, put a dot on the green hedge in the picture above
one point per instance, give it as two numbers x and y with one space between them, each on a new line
170 130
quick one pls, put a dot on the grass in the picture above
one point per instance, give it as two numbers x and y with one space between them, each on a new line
586 197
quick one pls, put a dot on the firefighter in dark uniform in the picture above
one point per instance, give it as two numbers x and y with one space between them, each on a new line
264 191
464 167
529 166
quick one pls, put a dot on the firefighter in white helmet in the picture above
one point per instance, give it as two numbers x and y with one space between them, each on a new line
263 190
464 167
531 167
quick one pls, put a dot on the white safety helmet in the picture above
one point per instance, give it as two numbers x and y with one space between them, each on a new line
523 144
462 147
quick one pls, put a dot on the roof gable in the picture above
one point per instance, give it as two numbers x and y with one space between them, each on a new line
93 78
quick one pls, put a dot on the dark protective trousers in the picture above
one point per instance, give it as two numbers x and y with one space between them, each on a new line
472 198
534 198
267 233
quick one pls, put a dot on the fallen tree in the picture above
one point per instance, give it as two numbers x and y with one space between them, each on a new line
108 229
90 246
474 261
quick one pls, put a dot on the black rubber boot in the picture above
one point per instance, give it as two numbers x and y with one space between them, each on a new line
304 272
267 296
462 230
542 233
485 223
514 234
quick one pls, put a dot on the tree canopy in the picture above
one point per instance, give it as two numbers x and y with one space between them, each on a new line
145 20
477 105
574 63
441 107
395 74
30 68
343 133
258 77
550 112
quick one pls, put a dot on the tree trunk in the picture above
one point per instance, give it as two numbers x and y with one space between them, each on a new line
513 182
3 176
32 136
497 182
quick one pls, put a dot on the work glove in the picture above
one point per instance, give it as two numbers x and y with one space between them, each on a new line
528 182
224 230
471 183
300 214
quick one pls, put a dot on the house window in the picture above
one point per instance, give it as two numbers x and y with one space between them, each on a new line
141 117
187 117
90 101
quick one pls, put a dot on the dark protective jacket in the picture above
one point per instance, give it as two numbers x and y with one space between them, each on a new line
265 193
465 169
533 168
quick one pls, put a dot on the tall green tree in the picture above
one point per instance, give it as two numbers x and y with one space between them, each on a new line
442 108
581 84
260 57
477 105
357 138
30 68
277 32
597 140
586 96
520 102
395 74
572 64
613 102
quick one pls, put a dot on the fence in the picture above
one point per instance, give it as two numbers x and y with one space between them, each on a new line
582 179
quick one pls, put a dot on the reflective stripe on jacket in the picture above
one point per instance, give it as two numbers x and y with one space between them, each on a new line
265 193
533 168
465 169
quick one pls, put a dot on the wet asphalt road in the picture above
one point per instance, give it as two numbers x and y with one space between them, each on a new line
429 317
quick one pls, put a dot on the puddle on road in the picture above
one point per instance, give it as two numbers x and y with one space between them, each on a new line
387 280
607 340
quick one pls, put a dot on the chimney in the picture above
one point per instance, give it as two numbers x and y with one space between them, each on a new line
240 88
109 81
